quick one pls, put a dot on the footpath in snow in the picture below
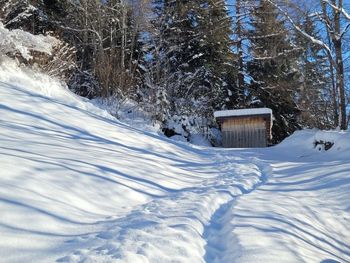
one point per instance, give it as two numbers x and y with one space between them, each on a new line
76 185
302 214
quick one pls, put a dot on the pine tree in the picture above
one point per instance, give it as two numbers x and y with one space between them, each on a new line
239 93
22 14
215 26
174 45
274 80
192 55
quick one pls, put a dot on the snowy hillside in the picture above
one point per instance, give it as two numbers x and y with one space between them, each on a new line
76 185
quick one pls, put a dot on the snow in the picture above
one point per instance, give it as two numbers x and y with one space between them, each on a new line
77 185
302 213
13 41
129 113
197 55
242 112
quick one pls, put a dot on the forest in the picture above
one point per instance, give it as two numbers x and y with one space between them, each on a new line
181 60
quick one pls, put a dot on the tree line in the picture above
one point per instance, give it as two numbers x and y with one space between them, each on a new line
181 60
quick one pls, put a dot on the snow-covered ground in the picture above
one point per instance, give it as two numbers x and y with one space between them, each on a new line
77 185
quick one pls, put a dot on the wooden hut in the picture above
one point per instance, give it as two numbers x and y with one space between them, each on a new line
245 128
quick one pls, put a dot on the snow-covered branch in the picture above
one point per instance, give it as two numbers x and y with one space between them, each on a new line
342 11
302 32
281 54
338 9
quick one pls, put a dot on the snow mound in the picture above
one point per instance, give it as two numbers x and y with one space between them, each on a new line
304 143
302 213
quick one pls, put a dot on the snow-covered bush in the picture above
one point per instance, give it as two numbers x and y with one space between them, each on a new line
61 63
47 53
192 129
17 42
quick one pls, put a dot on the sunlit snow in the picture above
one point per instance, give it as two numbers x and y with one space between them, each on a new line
77 185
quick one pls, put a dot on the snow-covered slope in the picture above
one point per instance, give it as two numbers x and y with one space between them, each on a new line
76 185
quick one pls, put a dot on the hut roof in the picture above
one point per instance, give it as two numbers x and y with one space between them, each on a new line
242 112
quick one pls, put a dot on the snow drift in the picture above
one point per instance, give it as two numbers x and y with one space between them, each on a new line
304 143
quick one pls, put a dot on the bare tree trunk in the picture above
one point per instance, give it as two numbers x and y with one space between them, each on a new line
340 85
240 49
337 42
123 35
334 94
334 30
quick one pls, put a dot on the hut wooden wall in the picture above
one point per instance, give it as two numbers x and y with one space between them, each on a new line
244 132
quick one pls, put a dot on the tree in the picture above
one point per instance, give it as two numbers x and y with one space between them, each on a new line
331 17
105 34
240 94
336 21
274 78
314 97
218 59
18 14
192 54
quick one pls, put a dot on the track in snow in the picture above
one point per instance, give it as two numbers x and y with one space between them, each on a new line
221 243
186 216
300 215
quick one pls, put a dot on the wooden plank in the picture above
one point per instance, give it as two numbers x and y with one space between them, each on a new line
224 139
249 133
245 132
235 138
226 142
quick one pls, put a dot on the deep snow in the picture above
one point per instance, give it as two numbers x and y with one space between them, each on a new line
77 185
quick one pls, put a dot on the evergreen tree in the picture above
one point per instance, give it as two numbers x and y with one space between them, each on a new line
175 44
35 16
274 79
239 92
215 26
192 56
21 14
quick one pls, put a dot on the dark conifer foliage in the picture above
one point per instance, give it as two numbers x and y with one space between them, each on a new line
18 14
192 56
273 69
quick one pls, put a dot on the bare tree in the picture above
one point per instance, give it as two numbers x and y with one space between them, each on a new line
336 20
